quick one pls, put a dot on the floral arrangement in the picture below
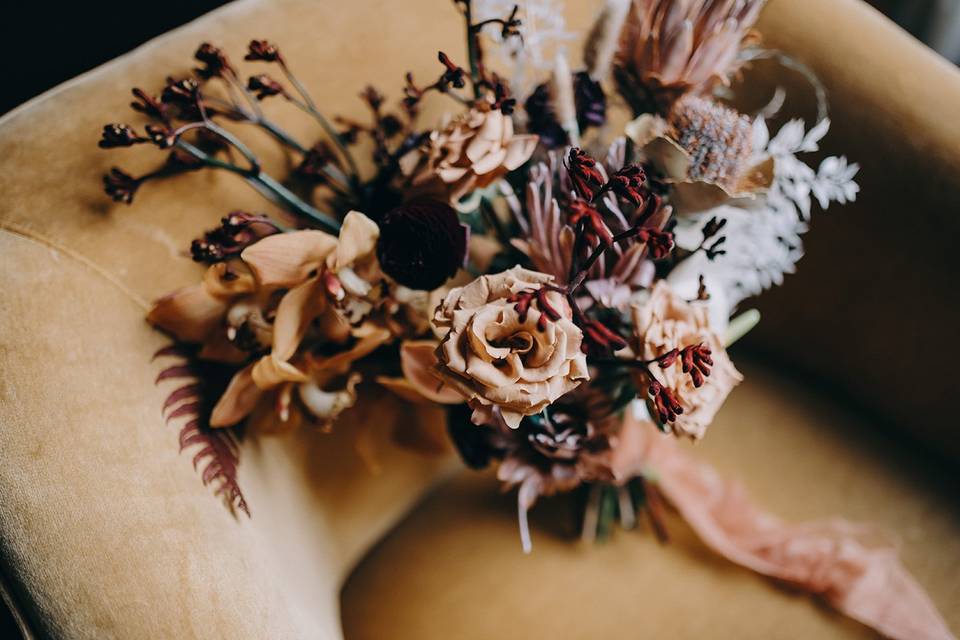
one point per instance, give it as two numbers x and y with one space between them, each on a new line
560 262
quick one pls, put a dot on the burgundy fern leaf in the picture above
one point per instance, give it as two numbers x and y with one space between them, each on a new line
217 451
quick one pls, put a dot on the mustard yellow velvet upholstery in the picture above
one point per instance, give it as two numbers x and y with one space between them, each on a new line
106 532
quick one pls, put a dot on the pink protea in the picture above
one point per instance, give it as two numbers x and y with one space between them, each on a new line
672 47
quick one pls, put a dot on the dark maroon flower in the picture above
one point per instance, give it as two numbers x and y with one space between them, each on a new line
589 100
453 75
215 63
236 232
583 211
628 184
659 243
161 136
263 86
118 135
541 119
312 167
586 177
696 361
120 186
372 97
422 243
663 401
600 339
590 103
184 95
263 51
148 105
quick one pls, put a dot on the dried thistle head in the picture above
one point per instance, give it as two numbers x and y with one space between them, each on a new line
669 48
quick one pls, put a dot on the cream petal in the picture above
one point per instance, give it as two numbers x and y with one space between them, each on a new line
358 239
286 259
239 399
490 162
519 150
325 405
297 309
268 372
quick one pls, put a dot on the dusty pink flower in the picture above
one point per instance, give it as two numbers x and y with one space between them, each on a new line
470 152
665 323
504 352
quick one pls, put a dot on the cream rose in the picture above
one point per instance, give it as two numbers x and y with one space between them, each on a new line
667 321
501 359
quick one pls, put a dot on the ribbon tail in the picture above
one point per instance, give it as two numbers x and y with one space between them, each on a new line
852 567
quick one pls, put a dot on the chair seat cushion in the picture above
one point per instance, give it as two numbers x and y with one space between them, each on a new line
454 567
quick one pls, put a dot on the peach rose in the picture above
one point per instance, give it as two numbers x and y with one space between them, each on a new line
502 357
470 152
667 322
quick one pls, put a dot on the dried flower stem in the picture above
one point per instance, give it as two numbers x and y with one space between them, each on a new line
266 185
310 107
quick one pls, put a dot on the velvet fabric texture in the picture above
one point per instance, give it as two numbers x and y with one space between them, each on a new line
106 532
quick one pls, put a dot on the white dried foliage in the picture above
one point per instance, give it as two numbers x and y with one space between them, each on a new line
544 35
764 236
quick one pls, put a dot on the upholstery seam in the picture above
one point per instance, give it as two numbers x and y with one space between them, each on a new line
17 230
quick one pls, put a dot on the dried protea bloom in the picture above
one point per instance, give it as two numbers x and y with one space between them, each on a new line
669 48
422 244
470 152
717 139
705 151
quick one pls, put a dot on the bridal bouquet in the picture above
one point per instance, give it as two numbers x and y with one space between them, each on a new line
561 261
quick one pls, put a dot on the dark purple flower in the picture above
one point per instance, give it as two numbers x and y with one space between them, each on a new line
422 243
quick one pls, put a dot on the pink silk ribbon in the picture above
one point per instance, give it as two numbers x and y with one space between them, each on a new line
853 567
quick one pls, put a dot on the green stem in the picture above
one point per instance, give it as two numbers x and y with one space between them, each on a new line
267 186
312 109
472 49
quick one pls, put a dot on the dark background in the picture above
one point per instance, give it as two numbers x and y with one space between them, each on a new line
45 43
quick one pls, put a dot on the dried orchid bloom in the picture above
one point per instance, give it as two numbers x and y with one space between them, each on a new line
669 48
677 335
227 313
470 152
704 150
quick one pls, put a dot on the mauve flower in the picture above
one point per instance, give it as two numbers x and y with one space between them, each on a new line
666 322
506 355
470 152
